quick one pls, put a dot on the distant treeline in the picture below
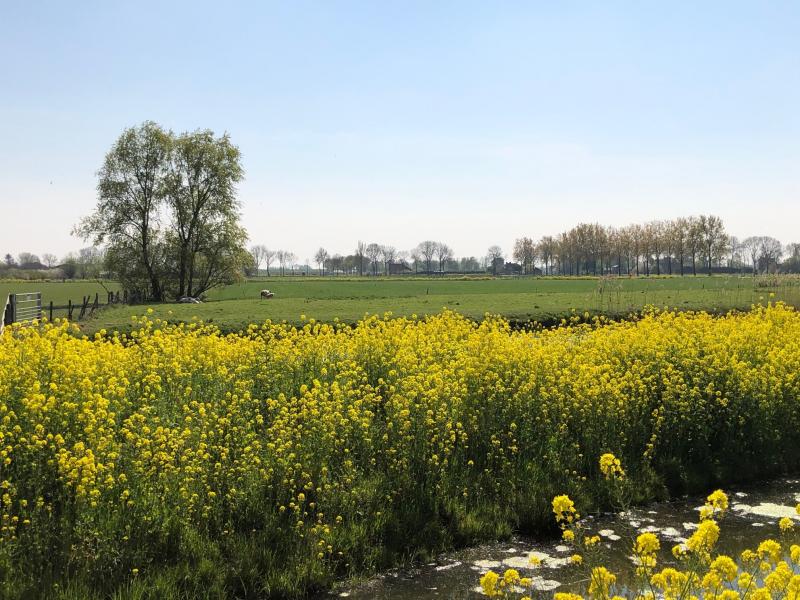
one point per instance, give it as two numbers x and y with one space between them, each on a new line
84 264
682 246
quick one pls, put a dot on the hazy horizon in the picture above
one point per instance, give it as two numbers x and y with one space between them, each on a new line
466 123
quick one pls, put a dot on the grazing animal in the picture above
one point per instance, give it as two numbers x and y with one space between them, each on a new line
266 294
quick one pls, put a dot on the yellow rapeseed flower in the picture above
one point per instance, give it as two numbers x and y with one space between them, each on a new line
610 466
489 584
647 544
600 582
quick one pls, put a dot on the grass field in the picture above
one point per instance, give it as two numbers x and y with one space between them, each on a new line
540 299
59 293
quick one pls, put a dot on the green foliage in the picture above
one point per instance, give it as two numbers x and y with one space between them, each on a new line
167 212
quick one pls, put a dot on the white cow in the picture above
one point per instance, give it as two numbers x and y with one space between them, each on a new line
266 294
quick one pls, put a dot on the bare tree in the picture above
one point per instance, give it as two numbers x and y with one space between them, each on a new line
291 260
469 263
389 254
679 232
415 258
49 260
361 250
402 257
269 258
28 260
712 234
320 257
695 241
258 252
752 246
373 252
769 253
427 250
494 255
443 254
282 257
524 253
792 263
547 250
336 263
90 262
655 236
734 246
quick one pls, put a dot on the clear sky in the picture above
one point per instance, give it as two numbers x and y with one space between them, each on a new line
468 122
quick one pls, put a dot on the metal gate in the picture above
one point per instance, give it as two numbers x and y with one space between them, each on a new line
22 307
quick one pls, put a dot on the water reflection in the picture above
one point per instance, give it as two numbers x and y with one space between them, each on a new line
753 516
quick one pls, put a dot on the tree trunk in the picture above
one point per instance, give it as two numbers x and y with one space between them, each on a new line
155 284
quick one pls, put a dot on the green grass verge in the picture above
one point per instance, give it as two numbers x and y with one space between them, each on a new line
525 299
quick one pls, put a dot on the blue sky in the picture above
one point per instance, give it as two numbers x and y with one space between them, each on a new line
468 122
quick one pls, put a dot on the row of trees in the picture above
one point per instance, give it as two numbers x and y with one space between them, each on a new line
681 246
655 247
264 257
367 259
87 263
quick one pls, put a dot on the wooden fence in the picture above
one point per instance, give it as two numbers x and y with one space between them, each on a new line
27 307
76 311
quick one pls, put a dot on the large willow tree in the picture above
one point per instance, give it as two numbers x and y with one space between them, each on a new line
167 212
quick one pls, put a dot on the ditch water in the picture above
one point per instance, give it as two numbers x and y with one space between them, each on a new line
752 517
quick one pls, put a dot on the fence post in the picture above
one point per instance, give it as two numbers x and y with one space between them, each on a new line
8 311
51 312
69 310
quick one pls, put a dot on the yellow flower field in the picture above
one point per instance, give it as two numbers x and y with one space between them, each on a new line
181 462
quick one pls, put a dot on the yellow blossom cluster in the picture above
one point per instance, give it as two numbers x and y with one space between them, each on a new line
509 584
610 466
119 451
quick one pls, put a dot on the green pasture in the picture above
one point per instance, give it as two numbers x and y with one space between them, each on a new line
60 293
528 299
382 287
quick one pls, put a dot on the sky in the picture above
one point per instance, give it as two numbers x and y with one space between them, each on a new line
472 123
